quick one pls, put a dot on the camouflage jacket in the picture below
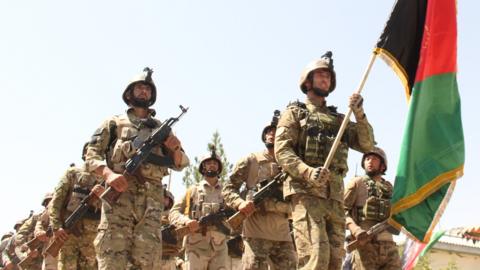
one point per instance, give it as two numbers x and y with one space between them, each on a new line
305 134
74 185
117 139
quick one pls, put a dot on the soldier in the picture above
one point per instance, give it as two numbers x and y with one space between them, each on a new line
206 249
367 202
304 137
41 232
129 230
169 252
266 232
77 251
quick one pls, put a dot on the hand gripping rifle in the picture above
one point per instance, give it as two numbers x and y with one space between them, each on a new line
374 230
144 153
171 234
33 249
266 191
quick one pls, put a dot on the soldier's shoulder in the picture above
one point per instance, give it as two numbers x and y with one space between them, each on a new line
296 105
355 181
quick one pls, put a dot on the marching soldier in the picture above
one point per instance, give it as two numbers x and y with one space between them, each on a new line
205 248
77 251
304 137
367 202
170 252
266 232
129 231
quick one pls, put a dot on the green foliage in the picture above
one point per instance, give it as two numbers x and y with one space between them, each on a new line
191 174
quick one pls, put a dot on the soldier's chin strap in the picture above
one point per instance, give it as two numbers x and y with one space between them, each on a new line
210 173
319 92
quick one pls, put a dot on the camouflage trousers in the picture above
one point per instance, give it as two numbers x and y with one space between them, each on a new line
50 263
129 232
377 256
319 232
259 253
206 252
78 251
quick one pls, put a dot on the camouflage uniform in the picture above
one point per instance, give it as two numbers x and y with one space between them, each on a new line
304 136
49 262
381 252
266 232
77 252
207 251
129 234
169 252
26 233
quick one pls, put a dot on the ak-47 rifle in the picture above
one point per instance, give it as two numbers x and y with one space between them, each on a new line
171 234
55 246
143 154
266 191
33 249
374 230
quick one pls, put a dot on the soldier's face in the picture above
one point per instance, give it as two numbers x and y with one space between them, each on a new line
211 165
142 91
373 165
270 136
321 79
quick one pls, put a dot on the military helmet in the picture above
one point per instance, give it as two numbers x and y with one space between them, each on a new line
273 124
48 196
171 198
6 235
144 77
212 155
379 153
84 151
325 62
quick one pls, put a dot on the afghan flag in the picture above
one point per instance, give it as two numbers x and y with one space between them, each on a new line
414 250
420 43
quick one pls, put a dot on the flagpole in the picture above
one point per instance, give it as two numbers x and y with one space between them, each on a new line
346 119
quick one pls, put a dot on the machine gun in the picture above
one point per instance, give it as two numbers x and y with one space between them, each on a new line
171 234
55 246
144 153
267 191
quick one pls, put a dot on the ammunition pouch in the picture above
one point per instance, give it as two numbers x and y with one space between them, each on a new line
376 209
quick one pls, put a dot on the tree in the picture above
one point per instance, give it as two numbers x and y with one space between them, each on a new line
192 175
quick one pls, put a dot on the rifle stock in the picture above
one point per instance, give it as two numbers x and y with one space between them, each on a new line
31 255
373 231
236 220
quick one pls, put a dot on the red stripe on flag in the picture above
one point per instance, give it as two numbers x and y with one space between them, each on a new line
438 53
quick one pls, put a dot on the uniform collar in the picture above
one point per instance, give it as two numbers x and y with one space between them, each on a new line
316 108
205 183
142 122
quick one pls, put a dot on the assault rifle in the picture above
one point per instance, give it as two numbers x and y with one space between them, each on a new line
267 191
55 246
171 234
144 153
374 230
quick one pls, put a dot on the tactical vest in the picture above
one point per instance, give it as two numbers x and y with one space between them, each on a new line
83 182
377 206
203 202
129 137
317 134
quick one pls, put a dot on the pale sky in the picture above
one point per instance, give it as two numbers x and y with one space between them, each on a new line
64 66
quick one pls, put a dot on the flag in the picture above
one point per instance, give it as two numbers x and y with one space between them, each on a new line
420 43
414 250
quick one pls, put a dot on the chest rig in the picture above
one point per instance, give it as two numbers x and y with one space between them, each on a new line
204 202
377 206
130 135
318 130
82 184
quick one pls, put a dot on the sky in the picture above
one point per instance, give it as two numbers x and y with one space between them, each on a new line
64 66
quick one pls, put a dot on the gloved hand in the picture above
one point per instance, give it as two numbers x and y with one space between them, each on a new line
318 177
356 104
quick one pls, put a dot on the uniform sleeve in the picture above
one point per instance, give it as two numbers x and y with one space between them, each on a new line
176 216
349 199
25 230
231 190
286 138
360 135
58 202
42 224
98 145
